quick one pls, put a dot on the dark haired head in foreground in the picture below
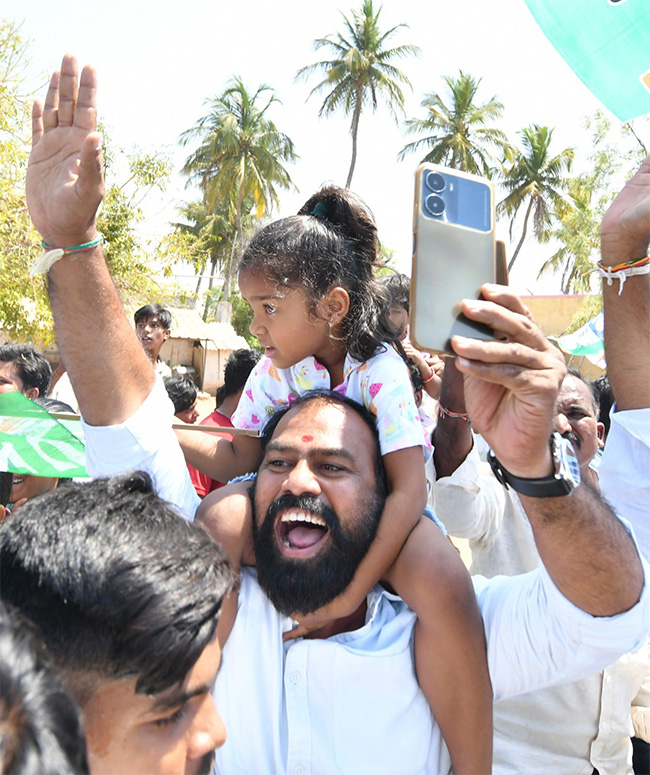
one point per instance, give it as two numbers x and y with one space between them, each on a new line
126 596
40 724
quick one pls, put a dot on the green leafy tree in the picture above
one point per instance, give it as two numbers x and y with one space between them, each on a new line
211 240
239 163
537 180
360 70
614 157
457 130
24 308
578 231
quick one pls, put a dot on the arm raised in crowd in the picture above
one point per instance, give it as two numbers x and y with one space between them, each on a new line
625 236
108 368
511 388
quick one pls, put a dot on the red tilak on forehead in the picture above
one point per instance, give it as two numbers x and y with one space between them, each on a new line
307 438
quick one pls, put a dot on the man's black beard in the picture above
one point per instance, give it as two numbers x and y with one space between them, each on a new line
207 762
304 585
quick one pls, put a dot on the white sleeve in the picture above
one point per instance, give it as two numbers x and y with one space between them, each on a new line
624 471
469 503
537 638
144 442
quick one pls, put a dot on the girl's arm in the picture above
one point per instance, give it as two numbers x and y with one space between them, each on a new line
226 515
219 458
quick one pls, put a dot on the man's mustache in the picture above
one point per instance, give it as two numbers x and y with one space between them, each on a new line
306 503
573 438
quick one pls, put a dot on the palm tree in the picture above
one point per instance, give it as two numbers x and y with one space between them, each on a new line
455 134
578 231
241 155
360 70
210 236
535 177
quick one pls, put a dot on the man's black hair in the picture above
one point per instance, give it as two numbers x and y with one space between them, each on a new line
150 310
116 582
32 367
182 392
333 397
606 400
54 405
238 367
399 289
41 730
6 483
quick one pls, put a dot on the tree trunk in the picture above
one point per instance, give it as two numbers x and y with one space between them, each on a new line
354 129
206 308
239 242
523 235
198 284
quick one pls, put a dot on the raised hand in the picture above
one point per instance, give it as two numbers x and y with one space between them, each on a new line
65 184
511 386
625 230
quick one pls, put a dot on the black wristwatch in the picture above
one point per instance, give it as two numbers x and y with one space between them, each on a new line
563 481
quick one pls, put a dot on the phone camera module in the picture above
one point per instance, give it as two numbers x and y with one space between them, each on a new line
435 205
435 182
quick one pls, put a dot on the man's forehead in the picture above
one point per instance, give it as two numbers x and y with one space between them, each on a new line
9 369
322 423
574 388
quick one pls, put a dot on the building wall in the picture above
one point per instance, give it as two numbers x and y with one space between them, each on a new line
554 313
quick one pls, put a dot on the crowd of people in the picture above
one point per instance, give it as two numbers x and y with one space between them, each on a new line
314 609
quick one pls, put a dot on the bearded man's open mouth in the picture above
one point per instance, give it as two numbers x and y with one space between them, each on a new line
300 533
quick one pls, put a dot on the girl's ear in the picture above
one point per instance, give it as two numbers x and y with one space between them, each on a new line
335 305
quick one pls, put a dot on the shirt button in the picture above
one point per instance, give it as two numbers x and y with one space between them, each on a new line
299 770
295 678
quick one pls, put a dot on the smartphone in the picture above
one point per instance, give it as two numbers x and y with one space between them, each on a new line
454 253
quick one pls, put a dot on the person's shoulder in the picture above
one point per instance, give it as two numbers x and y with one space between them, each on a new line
216 419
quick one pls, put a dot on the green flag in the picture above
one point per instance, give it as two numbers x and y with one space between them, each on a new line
607 44
33 442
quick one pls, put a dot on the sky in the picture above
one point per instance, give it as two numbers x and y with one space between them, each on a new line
159 62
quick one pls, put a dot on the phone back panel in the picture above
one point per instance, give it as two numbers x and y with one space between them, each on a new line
454 254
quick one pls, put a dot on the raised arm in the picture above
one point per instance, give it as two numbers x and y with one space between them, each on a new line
108 368
625 236
511 389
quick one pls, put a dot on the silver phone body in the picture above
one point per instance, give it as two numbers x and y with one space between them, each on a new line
453 255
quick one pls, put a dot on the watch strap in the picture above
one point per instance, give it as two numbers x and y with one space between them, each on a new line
552 486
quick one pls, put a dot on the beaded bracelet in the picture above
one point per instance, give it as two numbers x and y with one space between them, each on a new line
621 272
444 412
52 255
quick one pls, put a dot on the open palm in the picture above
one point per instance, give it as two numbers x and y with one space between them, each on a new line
64 174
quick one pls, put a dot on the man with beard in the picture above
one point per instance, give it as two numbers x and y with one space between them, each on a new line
303 576
309 704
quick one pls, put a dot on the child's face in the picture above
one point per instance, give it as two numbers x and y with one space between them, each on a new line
399 317
283 322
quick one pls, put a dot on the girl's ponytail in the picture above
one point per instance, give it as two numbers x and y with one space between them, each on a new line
332 241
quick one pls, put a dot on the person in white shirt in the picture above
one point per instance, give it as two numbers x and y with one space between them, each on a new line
625 243
556 624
